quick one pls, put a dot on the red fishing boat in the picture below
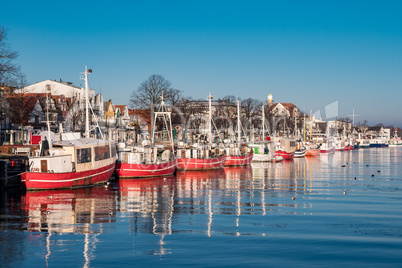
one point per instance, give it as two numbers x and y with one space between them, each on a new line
150 159
327 147
239 160
144 162
197 159
70 164
285 147
238 153
201 156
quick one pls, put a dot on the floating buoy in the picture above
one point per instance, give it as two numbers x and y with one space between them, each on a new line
378 171
355 177
366 165
372 175
343 165
344 192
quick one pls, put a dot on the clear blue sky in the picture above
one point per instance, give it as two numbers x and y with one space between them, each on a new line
310 53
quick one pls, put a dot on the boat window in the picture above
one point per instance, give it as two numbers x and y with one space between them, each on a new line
102 153
113 146
83 155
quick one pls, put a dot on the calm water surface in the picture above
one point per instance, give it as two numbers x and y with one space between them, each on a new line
344 210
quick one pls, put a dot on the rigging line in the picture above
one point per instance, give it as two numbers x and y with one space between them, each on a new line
219 134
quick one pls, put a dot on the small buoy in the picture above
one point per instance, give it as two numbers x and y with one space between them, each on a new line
372 175
293 198
366 165
378 171
344 192
343 165
355 177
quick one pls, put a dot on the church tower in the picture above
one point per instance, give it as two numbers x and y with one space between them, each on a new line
270 100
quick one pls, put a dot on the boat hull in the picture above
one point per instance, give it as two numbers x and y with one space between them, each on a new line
239 160
124 170
327 151
285 155
300 153
378 145
46 180
312 152
187 164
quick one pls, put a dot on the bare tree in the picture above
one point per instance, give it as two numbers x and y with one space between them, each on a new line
173 96
8 70
148 93
20 104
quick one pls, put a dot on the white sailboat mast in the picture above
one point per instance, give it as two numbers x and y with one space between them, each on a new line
86 101
263 123
49 91
238 120
210 118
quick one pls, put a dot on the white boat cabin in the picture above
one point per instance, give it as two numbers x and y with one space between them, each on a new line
199 151
74 156
144 154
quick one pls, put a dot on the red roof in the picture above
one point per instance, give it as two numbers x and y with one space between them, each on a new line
288 106
21 107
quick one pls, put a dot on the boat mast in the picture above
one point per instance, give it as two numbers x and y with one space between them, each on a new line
210 97
304 127
238 120
165 114
49 90
311 126
263 123
86 101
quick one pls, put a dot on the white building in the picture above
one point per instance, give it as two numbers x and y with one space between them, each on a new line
58 88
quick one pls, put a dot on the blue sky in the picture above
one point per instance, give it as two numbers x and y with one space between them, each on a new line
310 53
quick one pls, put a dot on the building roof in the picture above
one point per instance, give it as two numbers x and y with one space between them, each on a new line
16 107
288 106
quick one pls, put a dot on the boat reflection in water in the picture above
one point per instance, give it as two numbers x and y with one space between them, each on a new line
148 203
83 211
